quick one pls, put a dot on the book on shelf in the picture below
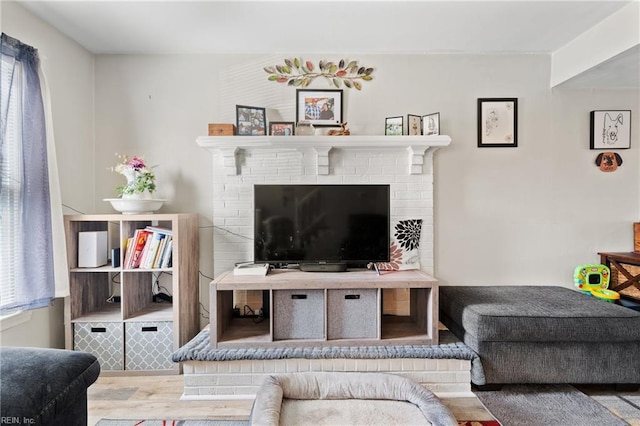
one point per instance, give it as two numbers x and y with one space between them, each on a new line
166 256
160 230
152 251
127 250
139 262
148 249
158 257
140 238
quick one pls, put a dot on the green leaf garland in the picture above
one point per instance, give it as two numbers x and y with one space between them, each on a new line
298 73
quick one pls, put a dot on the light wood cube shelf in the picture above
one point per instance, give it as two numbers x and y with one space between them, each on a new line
133 333
325 309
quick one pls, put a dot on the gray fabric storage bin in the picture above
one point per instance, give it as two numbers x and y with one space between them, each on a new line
352 314
149 345
104 340
298 314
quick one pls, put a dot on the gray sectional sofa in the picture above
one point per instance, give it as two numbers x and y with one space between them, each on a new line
45 386
544 334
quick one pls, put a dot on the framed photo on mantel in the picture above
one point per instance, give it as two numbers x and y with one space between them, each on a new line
251 121
281 128
414 125
322 108
394 126
497 122
431 124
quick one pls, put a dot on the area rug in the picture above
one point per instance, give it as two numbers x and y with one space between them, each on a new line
624 406
105 422
234 423
538 405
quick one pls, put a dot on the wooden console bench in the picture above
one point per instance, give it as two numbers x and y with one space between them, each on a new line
325 309
324 322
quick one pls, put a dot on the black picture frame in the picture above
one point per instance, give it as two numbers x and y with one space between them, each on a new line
251 121
394 126
610 129
414 125
498 122
431 124
282 128
326 111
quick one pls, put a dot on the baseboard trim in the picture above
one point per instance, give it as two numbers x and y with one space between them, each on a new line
216 397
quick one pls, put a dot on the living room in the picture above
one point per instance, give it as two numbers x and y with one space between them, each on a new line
501 216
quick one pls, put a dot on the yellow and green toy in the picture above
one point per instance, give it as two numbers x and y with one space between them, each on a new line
594 280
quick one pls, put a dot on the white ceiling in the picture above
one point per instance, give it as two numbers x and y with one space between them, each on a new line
312 27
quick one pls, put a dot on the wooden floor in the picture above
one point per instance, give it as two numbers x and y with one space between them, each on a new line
158 397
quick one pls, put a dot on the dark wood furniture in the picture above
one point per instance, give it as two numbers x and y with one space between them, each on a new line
621 263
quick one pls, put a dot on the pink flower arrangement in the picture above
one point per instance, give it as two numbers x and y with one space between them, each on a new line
140 177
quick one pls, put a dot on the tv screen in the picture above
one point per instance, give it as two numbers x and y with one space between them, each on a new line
321 223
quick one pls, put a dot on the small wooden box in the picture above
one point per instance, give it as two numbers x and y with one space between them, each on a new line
222 129
636 237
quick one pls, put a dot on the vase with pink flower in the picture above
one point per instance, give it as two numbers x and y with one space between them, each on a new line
141 181
136 194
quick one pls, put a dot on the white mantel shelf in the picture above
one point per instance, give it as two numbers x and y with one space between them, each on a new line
230 147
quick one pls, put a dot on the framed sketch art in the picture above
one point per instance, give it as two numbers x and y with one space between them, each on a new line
414 127
498 122
610 129
251 121
431 124
322 108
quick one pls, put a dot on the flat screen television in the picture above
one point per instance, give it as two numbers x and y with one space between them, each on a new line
321 224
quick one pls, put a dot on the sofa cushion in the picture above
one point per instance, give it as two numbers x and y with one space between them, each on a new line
535 314
43 385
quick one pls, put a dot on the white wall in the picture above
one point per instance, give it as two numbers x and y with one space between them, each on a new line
69 72
531 215
525 215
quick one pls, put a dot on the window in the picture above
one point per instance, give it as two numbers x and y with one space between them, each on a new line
11 180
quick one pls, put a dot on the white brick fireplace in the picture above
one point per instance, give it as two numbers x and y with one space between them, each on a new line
403 162
239 162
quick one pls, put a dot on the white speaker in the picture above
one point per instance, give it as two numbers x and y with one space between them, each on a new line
92 249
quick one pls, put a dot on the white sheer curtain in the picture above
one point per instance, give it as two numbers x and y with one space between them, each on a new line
29 226
60 264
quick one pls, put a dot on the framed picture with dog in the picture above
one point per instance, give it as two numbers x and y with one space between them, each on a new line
610 129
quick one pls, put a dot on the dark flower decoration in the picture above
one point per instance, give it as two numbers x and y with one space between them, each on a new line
408 233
